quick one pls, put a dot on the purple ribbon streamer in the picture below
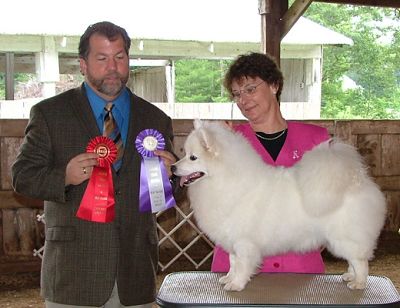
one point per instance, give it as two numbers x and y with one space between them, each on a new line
145 200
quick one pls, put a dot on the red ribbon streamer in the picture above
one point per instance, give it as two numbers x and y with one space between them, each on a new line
98 203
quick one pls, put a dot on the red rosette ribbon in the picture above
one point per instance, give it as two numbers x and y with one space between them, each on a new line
98 203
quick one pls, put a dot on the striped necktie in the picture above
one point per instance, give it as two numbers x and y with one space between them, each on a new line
111 130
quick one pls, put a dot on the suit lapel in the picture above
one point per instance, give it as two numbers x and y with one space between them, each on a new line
135 126
84 113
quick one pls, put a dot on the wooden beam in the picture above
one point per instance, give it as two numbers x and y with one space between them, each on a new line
293 14
141 48
12 200
20 267
377 3
169 49
20 43
12 128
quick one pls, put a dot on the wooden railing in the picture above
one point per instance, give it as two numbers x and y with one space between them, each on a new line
180 240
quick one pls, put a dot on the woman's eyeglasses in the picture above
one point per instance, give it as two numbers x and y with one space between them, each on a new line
248 91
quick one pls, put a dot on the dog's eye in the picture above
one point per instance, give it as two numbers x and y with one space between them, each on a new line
193 157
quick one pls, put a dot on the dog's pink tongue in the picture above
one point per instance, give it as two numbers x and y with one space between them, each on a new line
183 180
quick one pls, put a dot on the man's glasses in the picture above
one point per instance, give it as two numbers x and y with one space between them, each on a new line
248 90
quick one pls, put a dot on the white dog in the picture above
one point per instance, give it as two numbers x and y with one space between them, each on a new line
254 210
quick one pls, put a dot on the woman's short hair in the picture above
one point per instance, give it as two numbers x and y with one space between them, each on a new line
255 65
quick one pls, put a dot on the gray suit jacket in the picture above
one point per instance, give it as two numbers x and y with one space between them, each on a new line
82 259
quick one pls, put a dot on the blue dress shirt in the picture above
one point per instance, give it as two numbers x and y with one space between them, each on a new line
121 110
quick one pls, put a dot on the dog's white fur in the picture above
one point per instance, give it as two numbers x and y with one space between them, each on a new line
254 210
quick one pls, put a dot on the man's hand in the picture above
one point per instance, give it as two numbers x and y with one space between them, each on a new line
80 168
168 159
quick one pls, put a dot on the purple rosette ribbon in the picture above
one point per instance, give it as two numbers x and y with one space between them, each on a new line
155 187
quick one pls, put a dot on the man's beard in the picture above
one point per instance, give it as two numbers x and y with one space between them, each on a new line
107 88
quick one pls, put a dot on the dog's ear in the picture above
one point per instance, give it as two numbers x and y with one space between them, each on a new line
207 140
197 123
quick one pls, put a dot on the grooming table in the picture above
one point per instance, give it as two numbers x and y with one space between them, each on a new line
202 289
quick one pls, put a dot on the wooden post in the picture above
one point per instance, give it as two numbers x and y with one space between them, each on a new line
47 66
9 75
271 26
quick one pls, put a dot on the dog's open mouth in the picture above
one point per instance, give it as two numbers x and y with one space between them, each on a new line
191 178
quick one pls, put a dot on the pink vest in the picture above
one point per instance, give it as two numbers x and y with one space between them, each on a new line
300 138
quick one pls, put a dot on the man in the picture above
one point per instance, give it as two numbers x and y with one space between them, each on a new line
88 263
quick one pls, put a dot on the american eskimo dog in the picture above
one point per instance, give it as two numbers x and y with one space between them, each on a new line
254 210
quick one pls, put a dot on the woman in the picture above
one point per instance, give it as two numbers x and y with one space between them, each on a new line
255 84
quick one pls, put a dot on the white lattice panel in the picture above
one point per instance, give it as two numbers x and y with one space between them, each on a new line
39 252
183 236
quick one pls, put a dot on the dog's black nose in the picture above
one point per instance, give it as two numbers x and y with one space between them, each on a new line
173 168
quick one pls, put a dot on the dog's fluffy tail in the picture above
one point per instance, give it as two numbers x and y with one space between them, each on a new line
325 173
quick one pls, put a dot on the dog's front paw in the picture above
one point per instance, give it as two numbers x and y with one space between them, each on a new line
348 277
357 285
224 279
234 286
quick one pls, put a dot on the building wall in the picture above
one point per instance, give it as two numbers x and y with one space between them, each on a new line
149 83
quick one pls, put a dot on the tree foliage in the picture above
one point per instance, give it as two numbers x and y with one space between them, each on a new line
19 78
2 86
200 80
372 62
